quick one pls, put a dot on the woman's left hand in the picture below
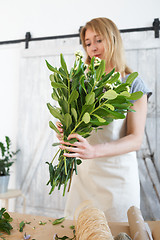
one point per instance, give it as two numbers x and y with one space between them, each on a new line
80 149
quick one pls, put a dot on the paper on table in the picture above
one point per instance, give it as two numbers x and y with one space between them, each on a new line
148 231
136 224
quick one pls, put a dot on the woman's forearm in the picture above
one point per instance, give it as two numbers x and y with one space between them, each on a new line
121 146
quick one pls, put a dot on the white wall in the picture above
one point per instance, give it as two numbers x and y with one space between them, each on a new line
54 17
48 18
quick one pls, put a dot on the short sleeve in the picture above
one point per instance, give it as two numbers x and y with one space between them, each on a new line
139 85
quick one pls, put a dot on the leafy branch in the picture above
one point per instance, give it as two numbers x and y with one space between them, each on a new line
5 220
87 98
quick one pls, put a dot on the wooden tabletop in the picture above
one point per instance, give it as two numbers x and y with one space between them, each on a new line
34 227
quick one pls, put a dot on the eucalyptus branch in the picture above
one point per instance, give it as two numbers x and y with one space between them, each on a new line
55 155
71 96
76 127
99 107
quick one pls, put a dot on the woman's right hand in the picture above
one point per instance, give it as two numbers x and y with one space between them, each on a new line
60 129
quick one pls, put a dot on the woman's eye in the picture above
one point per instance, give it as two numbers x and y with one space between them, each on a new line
99 40
88 44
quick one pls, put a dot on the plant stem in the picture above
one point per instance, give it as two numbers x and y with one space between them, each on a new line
99 107
76 127
70 178
55 155
68 94
65 166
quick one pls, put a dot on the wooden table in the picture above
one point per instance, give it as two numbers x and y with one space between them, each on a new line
47 231
12 193
37 231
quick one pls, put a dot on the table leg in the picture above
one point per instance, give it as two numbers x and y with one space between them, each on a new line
6 204
24 203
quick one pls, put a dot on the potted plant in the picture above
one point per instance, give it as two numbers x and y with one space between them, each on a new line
6 161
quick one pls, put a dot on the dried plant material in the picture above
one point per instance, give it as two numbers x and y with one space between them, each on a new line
92 224
122 236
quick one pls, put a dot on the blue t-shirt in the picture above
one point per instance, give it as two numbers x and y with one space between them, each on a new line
139 85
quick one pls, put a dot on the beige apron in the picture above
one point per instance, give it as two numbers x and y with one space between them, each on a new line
112 184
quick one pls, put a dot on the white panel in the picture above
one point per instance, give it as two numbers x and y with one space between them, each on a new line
35 138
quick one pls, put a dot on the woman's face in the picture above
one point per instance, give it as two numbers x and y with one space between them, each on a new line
95 44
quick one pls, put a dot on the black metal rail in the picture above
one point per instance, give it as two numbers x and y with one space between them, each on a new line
155 27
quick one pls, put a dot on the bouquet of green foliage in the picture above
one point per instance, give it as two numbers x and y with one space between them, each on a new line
87 99
5 220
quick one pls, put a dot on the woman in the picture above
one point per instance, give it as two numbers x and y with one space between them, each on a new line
108 175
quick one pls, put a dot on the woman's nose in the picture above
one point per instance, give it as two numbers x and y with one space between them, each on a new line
94 47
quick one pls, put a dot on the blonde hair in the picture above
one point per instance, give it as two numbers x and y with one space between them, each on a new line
115 54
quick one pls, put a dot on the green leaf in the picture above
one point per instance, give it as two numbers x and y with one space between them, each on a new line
64 74
114 78
58 221
42 223
96 123
110 94
80 67
7 217
55 95
121 87
99 118
58 79
2 212
67 120
115 115
131 77
136 95
54 112
51 68
54 128
75 82
61 238
71 72
92 62
56 144
125 93
74 113
105 113
87 108
63 64
98 92
86 117
72 226
100 70
5 220
105 79
82 83
90 98
21 226
109 106
73 97
52 77
73 140
58 85
122 105
64 105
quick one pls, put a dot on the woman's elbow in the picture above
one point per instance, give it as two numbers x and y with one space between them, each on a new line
138 143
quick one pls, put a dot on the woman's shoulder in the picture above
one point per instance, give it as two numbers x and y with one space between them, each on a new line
139 85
